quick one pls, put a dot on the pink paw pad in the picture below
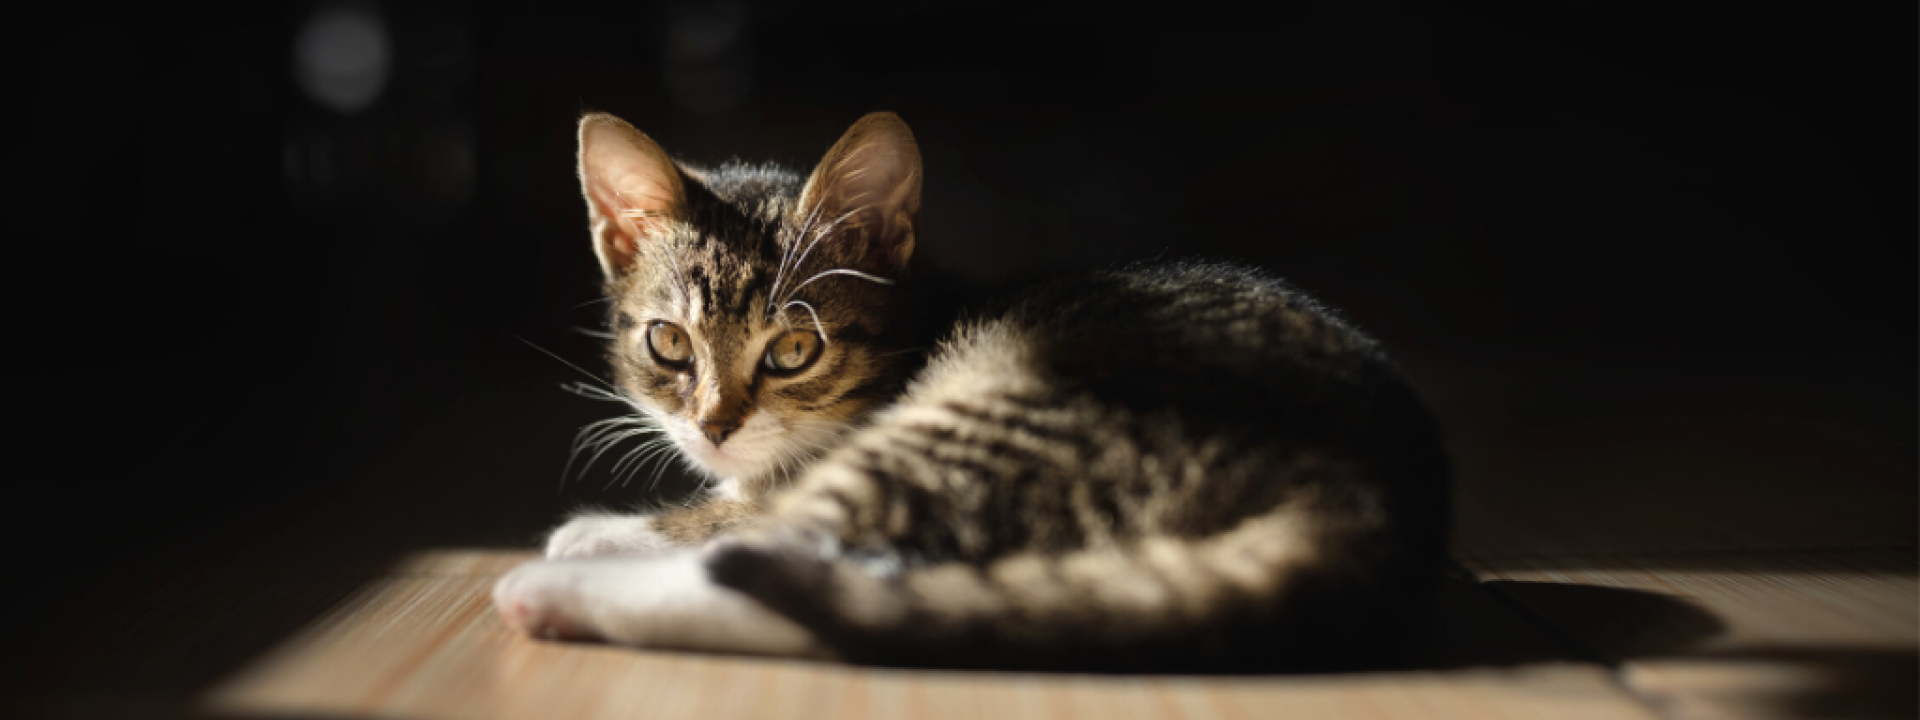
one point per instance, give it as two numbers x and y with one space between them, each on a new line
535 618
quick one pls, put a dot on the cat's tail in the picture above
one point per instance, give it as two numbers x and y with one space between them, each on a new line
1285 589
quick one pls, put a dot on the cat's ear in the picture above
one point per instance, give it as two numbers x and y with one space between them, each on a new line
867 192
633 189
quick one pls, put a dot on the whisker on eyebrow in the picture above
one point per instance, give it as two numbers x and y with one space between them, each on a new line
806 228
786 257
844 271
773 291
822 329
822 233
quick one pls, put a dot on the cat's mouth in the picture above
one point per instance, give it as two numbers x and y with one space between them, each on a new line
721 460
709 453
763 446
744 454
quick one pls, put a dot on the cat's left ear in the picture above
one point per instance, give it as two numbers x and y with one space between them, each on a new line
867 193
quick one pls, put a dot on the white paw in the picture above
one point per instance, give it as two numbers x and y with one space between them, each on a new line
594 535
659 601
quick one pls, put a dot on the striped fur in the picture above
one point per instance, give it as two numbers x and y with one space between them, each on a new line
1185 465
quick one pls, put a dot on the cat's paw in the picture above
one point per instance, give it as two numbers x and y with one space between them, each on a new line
665 600
542 603
595 535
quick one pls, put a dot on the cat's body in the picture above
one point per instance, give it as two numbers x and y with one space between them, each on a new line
1183 465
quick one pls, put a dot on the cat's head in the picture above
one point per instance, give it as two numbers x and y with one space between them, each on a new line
750 305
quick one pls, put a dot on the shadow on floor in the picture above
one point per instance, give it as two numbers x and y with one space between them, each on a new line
1634 623
1640 626
1479 624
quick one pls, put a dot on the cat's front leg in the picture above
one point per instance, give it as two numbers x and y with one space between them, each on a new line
592 534
666 600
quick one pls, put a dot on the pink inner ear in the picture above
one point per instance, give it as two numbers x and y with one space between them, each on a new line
631 186
626 182
873 172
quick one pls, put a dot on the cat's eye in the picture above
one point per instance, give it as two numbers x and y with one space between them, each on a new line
669 344
793 351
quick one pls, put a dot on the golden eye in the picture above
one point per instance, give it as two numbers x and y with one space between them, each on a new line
669 344
793 351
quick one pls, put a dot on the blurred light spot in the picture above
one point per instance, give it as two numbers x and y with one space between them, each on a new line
708 66
341 57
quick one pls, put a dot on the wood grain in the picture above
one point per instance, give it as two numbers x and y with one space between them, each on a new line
423 642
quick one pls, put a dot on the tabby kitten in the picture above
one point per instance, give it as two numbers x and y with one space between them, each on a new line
1180 465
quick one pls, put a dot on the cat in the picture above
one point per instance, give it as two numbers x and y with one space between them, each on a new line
1186 465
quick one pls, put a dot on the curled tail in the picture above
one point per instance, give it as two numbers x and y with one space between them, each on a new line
1288 589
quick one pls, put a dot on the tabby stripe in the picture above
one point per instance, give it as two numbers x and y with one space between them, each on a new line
986 417
942 438
894 475
700 279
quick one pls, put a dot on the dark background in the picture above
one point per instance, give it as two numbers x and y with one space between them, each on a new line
1611 242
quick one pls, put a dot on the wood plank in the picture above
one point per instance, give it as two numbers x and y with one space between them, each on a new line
425 643
1792 634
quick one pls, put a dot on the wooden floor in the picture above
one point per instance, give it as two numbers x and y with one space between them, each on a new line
1828 633
424 643
1786 634
1770 575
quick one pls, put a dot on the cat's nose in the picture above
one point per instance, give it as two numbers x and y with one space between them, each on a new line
717 432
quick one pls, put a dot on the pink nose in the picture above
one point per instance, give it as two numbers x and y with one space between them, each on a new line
717 432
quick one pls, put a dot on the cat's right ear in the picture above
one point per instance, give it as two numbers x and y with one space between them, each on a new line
633 190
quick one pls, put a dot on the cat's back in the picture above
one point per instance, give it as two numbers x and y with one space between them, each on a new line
1173 398
1202 338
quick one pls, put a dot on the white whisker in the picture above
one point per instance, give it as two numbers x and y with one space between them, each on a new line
632 461
844 271
613 475
591 433
600 449
602 334
563 361
658 470
593 393
816 320
611 438
662 453
813 216
786 256
822 233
